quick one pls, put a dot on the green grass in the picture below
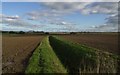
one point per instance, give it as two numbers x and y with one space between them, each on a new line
44 60
56 55
82 59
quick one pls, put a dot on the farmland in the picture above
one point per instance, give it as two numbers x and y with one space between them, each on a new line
108 41
71 53
16 51
82 59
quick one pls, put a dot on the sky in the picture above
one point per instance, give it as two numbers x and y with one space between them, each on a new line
60 16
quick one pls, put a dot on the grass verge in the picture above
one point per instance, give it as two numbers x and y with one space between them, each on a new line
44 60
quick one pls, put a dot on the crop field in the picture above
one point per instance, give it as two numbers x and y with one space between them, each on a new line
16 51
82 59
70 54
108 42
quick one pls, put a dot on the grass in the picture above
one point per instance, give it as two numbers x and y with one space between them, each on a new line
44 60
82 59
56 55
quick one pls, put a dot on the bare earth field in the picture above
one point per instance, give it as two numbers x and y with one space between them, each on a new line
108 42
16 52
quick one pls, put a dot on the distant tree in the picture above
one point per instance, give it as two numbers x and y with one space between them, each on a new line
37 31
47 33
41 31
72 32
12 32
5 32
21 32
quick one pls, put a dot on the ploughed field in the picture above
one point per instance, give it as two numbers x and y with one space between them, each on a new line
16 51
107 42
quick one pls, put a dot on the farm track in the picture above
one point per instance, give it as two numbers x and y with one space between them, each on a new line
16 51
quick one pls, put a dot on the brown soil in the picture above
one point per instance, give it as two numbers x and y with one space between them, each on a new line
108 42
16 50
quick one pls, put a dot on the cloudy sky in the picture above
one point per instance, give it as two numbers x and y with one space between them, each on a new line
60 16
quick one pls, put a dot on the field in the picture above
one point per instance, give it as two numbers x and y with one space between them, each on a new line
108 41
83 59
71 54
16 50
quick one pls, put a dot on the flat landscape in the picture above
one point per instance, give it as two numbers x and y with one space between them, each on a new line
71 37
102 41
16 50
68 53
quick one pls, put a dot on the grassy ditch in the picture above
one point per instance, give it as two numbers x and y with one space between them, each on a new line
82 59
44 60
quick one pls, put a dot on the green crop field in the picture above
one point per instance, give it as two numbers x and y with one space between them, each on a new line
56 55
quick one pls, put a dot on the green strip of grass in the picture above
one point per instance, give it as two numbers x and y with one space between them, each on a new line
44 60
82 59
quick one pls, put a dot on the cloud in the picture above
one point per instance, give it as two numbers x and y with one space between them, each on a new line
60 0
63 23
53 13
65 7
102 8
56 9
16 21
8 18
1 15
31 18
112 19
53 10
50 17
110 26
83 7
12 17
105 28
